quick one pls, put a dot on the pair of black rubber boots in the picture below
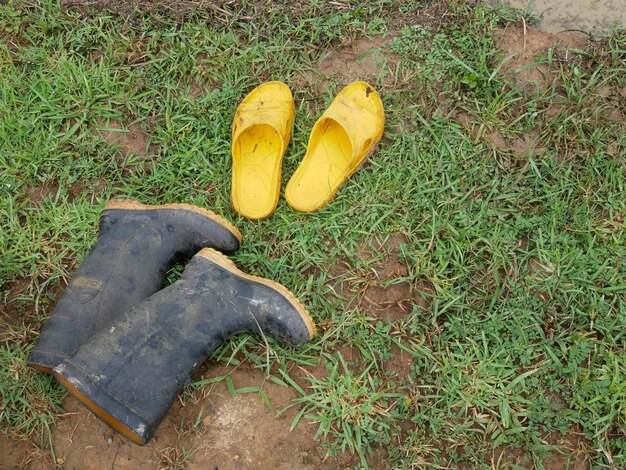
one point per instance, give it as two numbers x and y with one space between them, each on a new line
125 348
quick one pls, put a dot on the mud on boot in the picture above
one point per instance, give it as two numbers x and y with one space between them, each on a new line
130 374
136 247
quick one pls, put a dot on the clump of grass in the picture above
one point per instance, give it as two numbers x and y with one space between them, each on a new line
30 400
173 458
352 407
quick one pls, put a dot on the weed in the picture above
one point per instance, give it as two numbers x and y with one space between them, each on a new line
352 407
173 458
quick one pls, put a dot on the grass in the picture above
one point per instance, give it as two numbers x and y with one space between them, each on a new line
30 401
517 257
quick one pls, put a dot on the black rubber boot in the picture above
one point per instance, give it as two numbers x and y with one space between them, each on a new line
136 247
130 374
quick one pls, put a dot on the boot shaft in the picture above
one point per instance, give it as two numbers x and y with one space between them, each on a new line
137 246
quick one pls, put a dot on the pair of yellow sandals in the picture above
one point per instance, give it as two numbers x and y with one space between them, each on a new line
346 134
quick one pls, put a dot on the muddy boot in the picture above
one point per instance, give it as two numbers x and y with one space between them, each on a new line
130 374
136 247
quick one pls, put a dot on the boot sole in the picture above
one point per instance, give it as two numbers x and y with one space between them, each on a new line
98 411
42 369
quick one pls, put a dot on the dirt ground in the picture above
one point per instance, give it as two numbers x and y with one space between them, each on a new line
217 430
214 430
592 16
595 17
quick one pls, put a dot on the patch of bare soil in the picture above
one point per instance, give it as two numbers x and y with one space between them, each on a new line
364 58
525 45
216 430
376 282
93 187
14 290
36 194
368 59
16 306
399 366
22 454
510 153
195 89
387 294
130 139
593 16
379 291
571 452
391 301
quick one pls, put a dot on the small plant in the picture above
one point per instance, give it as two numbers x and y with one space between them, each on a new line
174 458
354 408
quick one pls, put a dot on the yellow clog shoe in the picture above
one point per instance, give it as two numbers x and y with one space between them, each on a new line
346 134
261 133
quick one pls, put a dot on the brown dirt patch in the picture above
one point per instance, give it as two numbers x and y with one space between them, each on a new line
195 89
572 452
215 430
516 151
389 302
522 146
595 16
15 454
36 194
386 294
399 366
130 139
94 187
365 57
526 45
376 281
19 316
16 289
16 302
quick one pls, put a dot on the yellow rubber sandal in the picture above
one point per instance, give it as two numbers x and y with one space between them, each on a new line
261 133
346 134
